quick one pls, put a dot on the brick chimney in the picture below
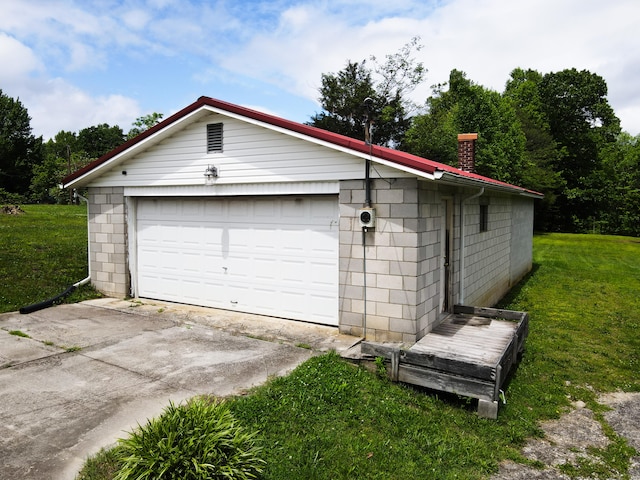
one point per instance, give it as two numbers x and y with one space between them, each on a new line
467 152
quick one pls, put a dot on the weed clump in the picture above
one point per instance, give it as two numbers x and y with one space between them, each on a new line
197 440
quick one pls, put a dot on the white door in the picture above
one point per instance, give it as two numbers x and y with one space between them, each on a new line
268 255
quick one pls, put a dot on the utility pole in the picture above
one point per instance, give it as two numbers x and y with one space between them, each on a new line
71 200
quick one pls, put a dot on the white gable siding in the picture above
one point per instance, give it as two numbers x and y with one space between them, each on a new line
251 154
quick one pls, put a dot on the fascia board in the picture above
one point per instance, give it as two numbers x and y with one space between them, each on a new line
453 179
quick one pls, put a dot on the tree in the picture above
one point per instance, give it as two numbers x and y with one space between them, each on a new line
580 117
60 159
469 108
68 152
20 150
584 125
570 128
144 123
620 212
543 155
343 95
97 140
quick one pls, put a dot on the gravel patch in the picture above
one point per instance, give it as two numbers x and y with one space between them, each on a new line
567 439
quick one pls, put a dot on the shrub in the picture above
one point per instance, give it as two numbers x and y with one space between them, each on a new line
198 440
10 197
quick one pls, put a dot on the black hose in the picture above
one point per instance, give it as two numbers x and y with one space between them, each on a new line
47 303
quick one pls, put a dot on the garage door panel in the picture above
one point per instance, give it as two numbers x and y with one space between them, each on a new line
271 255
238 210
289 271
192 262
149 233
295 210
264 268
266 211
318 210
322 274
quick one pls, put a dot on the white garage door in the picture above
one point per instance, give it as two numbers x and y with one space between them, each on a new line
270 255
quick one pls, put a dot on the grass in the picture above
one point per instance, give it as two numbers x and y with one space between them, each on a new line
103 465
585 310
19 333
42 252
330 419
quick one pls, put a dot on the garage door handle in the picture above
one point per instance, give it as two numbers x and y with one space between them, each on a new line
233 303
225 269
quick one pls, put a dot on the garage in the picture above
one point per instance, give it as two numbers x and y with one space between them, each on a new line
269 255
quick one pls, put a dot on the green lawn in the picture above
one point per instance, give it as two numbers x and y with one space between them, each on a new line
330 419
42 252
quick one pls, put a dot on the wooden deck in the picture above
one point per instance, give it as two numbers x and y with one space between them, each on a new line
470 353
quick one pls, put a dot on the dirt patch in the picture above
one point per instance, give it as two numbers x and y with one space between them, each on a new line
569 439
11 210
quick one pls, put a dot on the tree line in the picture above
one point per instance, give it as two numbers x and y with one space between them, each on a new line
554 133
31 169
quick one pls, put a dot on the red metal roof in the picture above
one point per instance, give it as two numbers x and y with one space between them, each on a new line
389 154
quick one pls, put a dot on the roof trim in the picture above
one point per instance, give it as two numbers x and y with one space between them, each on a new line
389 156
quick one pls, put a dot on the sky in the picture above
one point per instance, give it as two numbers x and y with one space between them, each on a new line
80 63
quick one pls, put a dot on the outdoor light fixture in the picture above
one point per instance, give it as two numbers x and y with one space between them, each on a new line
210 174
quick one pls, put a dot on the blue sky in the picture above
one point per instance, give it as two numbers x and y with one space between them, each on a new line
78 63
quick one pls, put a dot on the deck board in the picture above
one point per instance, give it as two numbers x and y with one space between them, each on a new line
475 339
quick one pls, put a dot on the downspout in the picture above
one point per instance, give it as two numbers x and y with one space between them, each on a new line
51 301
461 298
86 200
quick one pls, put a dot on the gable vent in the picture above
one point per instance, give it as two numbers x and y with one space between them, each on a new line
214 137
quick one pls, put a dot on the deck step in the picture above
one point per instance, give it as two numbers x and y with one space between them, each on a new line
470 353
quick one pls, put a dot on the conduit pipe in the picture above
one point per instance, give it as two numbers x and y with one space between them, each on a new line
368 139
461 298
51 301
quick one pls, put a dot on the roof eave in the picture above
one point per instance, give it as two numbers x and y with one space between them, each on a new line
456 179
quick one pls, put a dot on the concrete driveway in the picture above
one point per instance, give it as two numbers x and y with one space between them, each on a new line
88 373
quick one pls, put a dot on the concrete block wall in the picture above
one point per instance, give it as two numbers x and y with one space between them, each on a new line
429 261
521 238
392 252
108 241
487 254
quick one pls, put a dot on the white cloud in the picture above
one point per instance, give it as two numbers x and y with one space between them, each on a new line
308 41
486 39
17 59
136 19
55 105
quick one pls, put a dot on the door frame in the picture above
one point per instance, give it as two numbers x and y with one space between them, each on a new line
446 255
